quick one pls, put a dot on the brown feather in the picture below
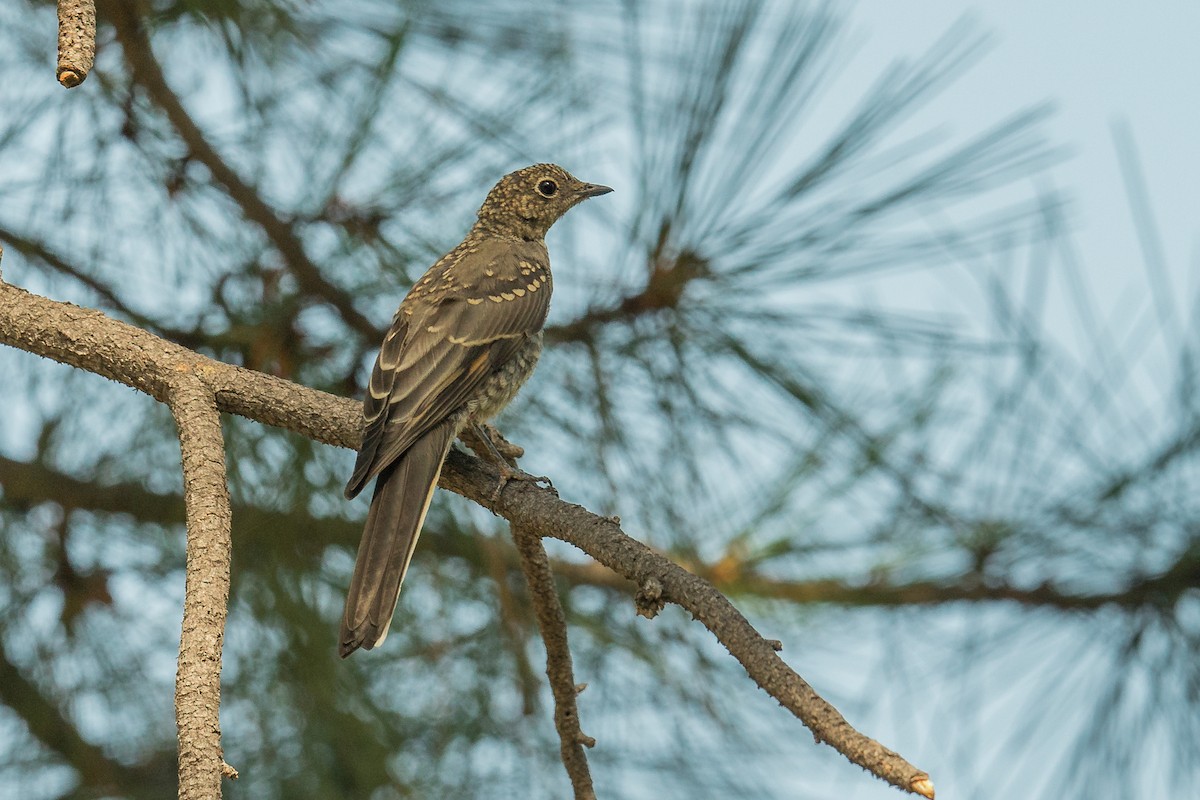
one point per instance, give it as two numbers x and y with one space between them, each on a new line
398 510
423 364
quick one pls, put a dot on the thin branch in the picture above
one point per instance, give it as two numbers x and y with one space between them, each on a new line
540 512
92 341
553 626
147 72
206 592
970 588
628 309
76 41
497 559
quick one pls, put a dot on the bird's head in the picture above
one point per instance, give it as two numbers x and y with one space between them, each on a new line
525 203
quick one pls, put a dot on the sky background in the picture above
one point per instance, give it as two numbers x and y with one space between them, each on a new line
1100 63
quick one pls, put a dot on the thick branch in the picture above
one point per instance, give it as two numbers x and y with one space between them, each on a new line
147 72
553 626
97 343
206 592
92 341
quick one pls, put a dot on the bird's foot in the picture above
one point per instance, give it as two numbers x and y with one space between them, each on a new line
490 445
508 473
503 446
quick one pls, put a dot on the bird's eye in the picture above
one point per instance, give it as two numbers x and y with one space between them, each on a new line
547 188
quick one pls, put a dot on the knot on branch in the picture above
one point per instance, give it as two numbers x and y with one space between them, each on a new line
649 599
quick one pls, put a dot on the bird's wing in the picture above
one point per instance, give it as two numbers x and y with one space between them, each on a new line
435 360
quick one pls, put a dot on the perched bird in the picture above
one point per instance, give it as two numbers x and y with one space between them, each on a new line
466 337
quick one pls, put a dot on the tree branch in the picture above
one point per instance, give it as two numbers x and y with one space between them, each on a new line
172 374
92 341
540 512
667 278
206 591
76 41
553 625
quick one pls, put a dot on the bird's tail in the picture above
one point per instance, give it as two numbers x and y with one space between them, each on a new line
398 508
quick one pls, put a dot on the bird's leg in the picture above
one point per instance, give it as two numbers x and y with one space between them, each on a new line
510 451
504 461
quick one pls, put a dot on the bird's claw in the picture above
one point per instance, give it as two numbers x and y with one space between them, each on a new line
508 473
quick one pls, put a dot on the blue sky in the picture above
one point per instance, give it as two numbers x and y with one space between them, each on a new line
1099 63
1102 64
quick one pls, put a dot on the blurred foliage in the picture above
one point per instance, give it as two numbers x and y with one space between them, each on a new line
961 525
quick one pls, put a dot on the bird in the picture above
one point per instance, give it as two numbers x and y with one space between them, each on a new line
463 341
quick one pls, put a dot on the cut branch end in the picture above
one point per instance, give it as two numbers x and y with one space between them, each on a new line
76 41
70 78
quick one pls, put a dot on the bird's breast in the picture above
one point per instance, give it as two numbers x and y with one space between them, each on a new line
502 386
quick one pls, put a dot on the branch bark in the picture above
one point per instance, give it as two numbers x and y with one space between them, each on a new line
76 41
92 341
553 626
540 512
171 374
206 590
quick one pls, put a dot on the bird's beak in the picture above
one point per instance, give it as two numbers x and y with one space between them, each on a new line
594 190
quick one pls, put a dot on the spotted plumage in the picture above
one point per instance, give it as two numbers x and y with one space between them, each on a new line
462 343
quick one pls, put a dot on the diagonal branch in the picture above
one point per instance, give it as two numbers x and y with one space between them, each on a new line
553 626
148 74
92 341
540 512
